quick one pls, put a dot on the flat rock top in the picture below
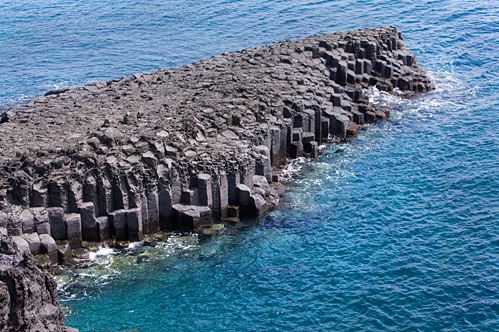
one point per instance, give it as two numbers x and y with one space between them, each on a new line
194 102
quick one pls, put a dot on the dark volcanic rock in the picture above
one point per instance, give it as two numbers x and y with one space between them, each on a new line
28 295
175 149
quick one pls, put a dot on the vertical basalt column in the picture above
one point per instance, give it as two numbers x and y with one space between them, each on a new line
189 196
263 165
358 117
233 179
55 194
38 195
310 121
298 121
204 183
247 172
224 193
324 128
58 227
129 189
306 121
267 139
74 191
89 226
137 186
165 199
275 136
41 217
28 221
165 207
104 195
118 223
175 187
295 145
90 191
152 208
318 125
103 227
338 123
117 194
73 229
144 212
134 224
216 195
308 141
284 140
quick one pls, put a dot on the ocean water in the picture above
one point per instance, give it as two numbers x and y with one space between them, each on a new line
395 231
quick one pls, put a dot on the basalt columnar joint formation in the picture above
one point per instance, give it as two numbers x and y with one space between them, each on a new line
180 148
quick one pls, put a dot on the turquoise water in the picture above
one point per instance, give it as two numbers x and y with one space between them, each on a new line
397 230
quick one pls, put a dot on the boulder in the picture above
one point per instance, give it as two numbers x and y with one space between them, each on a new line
41 217
262 183
49 247
21 244
243 194
34 242
191 217
258 205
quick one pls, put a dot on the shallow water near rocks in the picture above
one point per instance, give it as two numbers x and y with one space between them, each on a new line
396 230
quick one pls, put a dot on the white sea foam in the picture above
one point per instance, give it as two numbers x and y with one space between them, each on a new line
450 93
294 168
106 264
102 251
134 245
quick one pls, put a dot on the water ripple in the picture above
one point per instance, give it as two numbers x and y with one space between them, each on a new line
395 231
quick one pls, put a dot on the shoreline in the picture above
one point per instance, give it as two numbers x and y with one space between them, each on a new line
178 149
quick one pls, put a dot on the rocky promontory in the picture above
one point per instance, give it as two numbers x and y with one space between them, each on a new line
180 148
176 149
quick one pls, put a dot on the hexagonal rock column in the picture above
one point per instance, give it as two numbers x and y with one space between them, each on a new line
190 217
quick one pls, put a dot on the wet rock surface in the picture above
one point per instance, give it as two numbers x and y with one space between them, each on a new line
177 149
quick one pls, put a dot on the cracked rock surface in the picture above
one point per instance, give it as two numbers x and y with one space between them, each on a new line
28 295
177 149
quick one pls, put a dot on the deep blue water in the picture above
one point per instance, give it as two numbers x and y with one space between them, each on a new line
397 230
